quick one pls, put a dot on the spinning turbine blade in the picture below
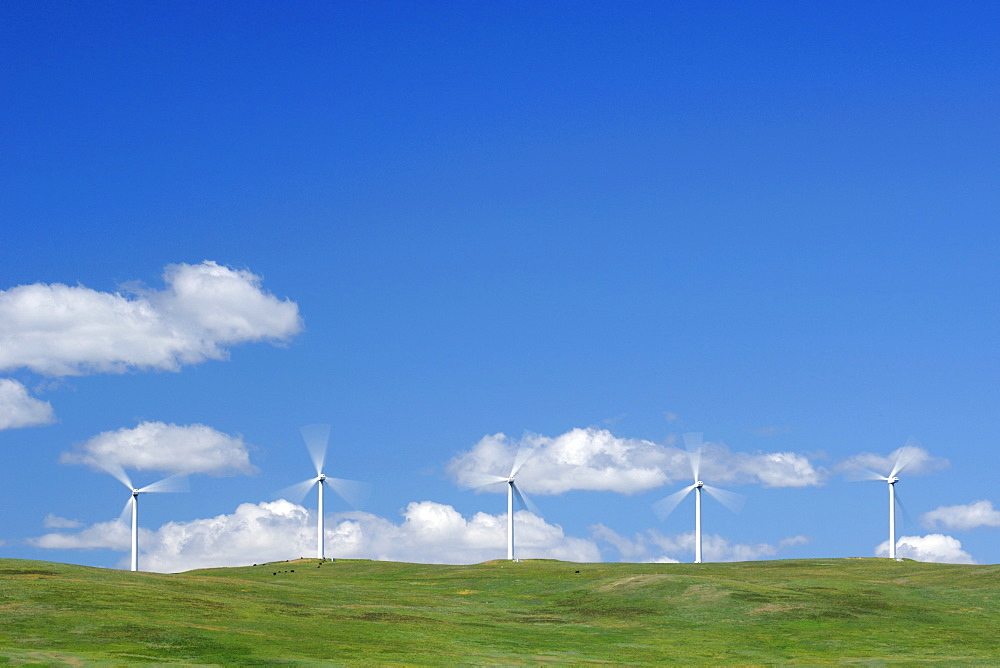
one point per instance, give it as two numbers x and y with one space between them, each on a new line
692 443
297 492
525 501
174 483
867 474
119 474
355 493
522 455
906 455
730 500
126 514
480 480
904 515
316 437
665 506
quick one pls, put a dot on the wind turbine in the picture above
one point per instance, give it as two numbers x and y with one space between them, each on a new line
904 456
174 483
520 457
316 437
665 506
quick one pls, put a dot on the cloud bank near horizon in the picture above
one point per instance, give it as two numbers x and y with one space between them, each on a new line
429 532
656 547
595 460
61 330
933 547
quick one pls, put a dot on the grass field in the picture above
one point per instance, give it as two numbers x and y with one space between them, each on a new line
869 611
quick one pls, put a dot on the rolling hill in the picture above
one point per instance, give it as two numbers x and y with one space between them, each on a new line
532 612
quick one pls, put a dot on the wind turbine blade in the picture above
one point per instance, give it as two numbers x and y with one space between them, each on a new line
126 514
480 480
906 455
174 483
692 442
354 492
730 500
295 493
522 455
864 475
119 474
316 437
904 515
665 506
525 501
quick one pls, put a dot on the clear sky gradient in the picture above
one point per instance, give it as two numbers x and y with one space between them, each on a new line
588 226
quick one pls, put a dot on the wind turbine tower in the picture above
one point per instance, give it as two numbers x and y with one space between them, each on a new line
665 506
174 483
316 437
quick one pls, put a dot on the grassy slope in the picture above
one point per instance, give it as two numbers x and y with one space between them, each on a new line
810 611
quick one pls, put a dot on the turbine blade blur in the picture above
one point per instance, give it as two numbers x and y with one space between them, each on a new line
355 493
906 455
297 492
174 483
119 474
864 475
126 514
730 500
692 443
665 506
316 437
525 501
904 515
522 455
481 480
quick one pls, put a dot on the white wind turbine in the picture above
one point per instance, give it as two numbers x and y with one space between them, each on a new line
174 483
316 437
904 456
520 457
665 506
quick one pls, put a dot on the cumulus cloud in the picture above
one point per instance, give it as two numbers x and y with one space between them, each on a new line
19 409
169 448
61 330
111 535
594 459
429 533
911 458
653 546
962 518
932 547
55 522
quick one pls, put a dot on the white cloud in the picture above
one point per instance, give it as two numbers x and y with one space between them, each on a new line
962 518
169 448
111 535
656 547
19 409
594 459
932 547
60 330
911 458
55 522
429 533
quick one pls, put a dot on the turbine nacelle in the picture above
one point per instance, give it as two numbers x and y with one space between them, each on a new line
698 484
892 480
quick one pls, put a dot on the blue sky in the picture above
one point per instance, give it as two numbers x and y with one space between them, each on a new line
588 227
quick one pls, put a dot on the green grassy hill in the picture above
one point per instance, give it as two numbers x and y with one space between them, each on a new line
533 612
